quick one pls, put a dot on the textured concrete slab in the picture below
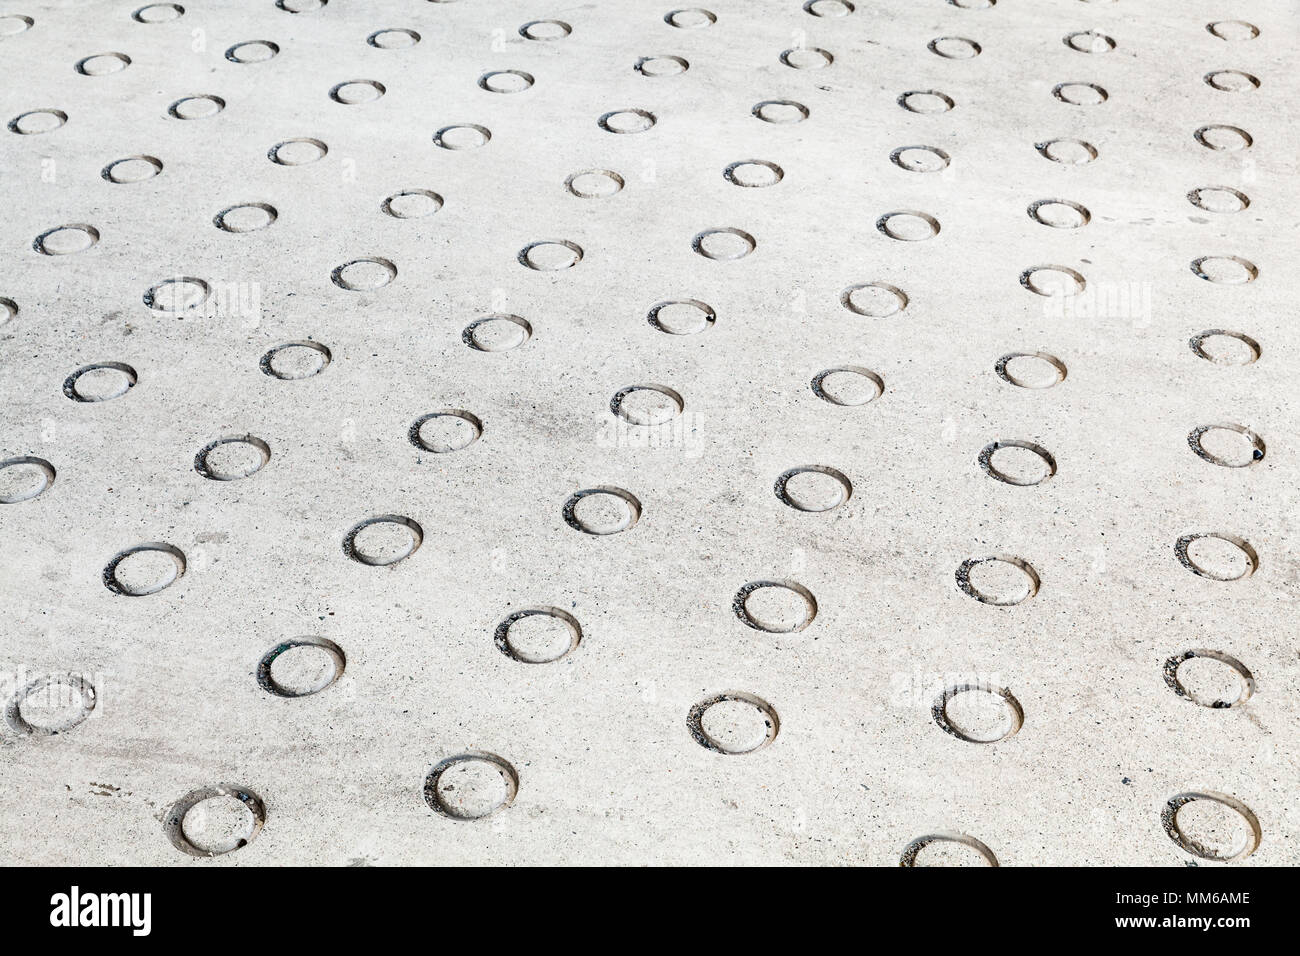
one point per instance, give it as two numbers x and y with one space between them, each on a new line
798 433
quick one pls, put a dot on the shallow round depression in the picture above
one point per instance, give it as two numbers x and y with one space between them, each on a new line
733 723
245 217
947 849
24 478
1227 445
364 275
1212 826
383 540
1017 462
978 714
1216 555
300 667
777 607
232 458
446 430
646 404
100 382
215 820
601 511
1030 369
50 705
295 360
1210 678
538 635
1223 347
1052 281
998 579
876 300
144 569
66 240
594 183
813 488
551 255
908 226
471 786
497 333
724 244
682 316
848 385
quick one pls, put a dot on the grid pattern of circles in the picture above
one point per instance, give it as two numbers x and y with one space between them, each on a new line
774 432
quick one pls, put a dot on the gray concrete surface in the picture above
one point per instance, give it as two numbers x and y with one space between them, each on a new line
433 722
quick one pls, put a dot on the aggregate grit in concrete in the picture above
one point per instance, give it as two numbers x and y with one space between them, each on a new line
858 753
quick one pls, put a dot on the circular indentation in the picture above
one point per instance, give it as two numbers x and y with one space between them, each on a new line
1216 555
196 107
383 540
1080 94
132 169
1059 213
15 23
1232 81
691 18
158 13
364 275
65 240
594 183
446 430
954 48
947 849
1228 270
232 458
550 255
545 30
297 152
753 173
215 820
1232 446
356 92
462 136
177 295
1233 30
1052 281
100 382
412 204
908 225
538 635
245 217
877 300
777 607
394 38
998 579
252 51
1030 369
1225 348
1224 139
848 385
34 122
470 786
601 510
646 404
627 121
733 723
290 361
813 488
300 6
978 713
300 667
24 478
8 309
1218 199
661 65
506 81
144 569
50 705
682 316
926 101
102 64
920 159
828 8
497 333
806 58
1209 678
724 244
1089 41
1067 152
1212 826
780 112
1020 462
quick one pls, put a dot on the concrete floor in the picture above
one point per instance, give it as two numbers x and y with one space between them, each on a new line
757 663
